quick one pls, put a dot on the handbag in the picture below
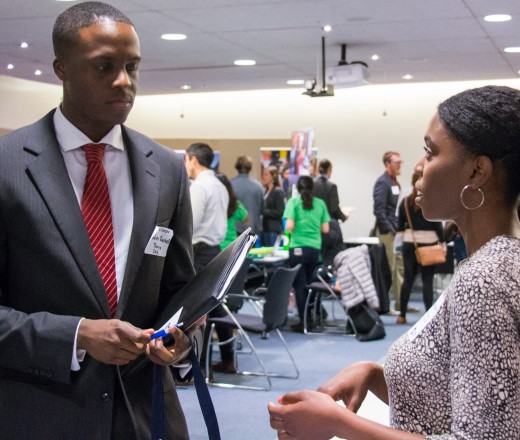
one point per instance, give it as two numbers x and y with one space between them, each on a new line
430 255
426 255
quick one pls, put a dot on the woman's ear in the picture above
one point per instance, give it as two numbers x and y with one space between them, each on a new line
482 171
59 68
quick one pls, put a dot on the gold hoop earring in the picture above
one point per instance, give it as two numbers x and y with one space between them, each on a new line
467 187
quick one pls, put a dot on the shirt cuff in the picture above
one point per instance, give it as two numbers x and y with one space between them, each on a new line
77 354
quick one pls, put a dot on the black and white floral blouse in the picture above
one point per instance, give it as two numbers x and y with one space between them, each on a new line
456 374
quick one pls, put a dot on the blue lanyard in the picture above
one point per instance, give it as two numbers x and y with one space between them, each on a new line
205 402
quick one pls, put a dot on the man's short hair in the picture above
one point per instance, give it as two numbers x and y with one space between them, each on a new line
203 153
324 166
243 164
387 157
65 33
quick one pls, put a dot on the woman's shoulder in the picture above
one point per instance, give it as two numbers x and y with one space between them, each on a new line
501 252
491 275
294 200
240 210
318 203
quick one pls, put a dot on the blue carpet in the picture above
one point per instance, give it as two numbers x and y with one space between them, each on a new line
242 414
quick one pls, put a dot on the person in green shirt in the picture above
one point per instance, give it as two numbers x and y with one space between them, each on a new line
236 212
307 218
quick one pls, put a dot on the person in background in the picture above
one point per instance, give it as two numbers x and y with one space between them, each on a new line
425 232
457 376
385 195
273 206
210 201
250 192
452 233
236 212
77 307
327 191
307 218
286 186
332 243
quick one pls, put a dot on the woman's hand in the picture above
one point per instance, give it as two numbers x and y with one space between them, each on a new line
352 383
306 415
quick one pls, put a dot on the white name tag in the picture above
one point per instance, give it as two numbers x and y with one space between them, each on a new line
395 190
426 319
159 242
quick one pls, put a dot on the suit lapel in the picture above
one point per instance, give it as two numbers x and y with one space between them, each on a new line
48 173
145 185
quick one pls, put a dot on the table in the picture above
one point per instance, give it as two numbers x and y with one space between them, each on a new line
267 262
355 241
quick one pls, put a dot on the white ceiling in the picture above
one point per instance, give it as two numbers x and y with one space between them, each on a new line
433 40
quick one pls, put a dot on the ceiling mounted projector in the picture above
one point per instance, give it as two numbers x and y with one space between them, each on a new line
310 85
346 74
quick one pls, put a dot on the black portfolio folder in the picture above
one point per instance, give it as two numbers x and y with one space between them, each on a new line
202 293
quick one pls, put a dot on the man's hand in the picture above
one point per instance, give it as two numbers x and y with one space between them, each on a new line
172 354
163 355
112 341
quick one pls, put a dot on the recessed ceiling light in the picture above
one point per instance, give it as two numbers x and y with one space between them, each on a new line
186 87
37 72
327 28
245 62
23 45
497 18
173 37
296 82
407 76
10 67
512 49
375 57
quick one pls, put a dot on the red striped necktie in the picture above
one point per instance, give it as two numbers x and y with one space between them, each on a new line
97 214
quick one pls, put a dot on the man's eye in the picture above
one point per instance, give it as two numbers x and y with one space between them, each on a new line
132 67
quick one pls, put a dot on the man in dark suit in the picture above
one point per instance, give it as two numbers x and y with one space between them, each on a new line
385 195
324 189
64 351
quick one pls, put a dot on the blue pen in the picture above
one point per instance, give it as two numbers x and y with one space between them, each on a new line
164 332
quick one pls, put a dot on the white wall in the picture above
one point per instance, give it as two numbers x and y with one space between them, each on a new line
351 128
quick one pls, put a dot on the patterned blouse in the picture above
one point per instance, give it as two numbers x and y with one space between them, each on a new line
456 373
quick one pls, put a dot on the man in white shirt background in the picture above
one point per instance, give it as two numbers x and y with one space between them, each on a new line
209 200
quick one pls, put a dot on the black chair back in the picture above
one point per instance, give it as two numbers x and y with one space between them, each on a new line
277 297
237 286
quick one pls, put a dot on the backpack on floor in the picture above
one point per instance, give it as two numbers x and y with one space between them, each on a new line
366 323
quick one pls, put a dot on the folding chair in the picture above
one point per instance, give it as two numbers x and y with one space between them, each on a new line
314 321
269 317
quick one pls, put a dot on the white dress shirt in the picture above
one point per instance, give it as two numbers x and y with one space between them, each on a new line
117 170
209 202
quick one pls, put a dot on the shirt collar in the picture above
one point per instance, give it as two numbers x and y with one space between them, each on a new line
70 137
208 172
